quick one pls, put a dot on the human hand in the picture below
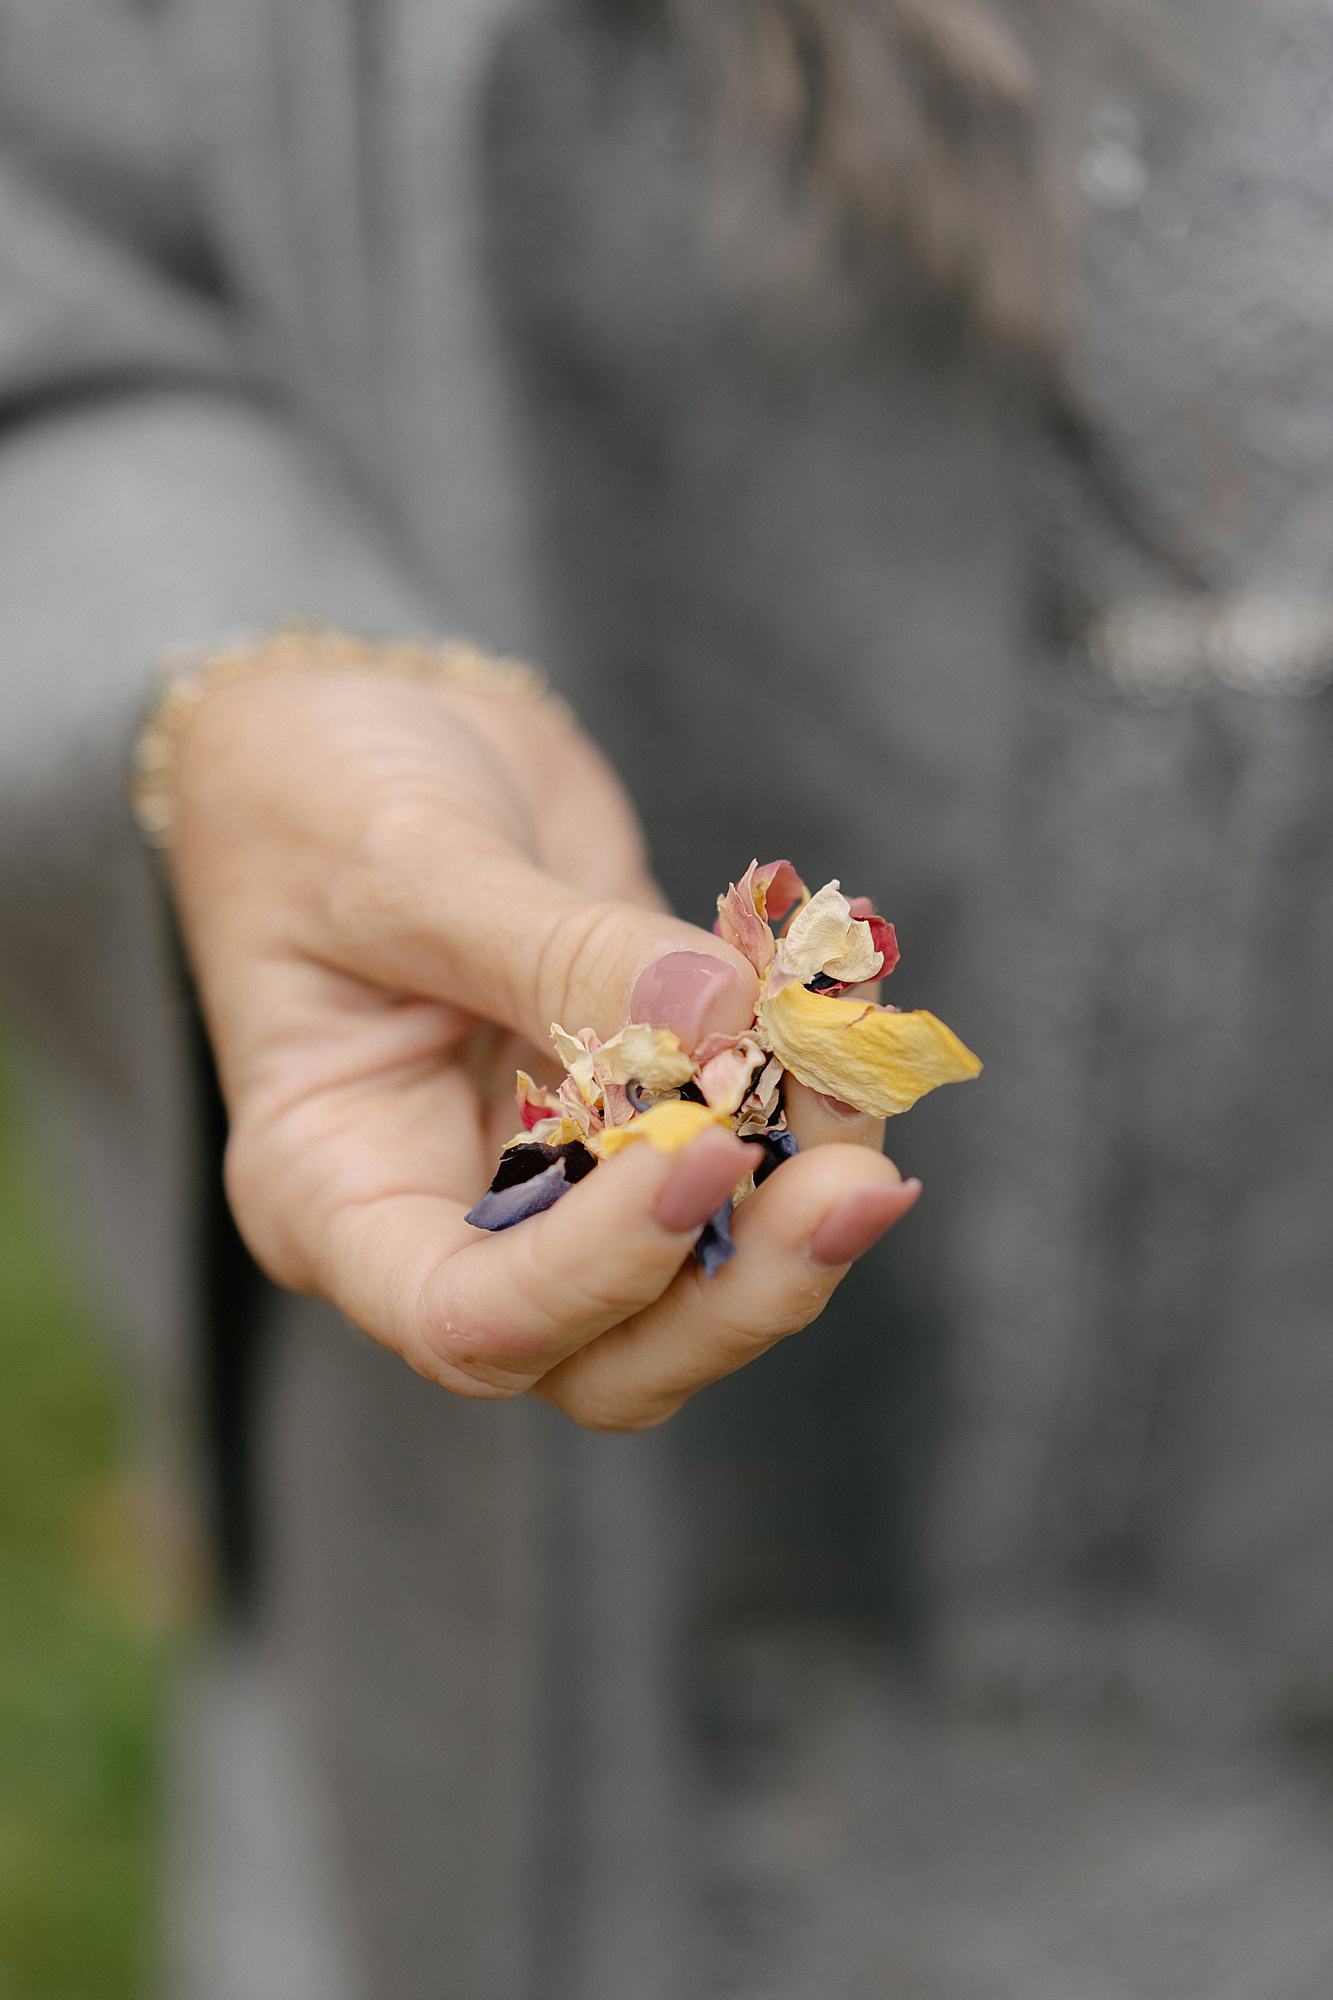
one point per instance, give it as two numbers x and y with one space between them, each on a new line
388 890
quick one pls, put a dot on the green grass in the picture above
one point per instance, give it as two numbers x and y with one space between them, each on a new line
83 1650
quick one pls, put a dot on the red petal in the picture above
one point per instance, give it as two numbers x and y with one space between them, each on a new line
885 939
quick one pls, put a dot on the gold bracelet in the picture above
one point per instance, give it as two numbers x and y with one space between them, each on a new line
188 677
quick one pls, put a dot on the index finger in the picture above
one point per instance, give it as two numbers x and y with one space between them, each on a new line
489 1315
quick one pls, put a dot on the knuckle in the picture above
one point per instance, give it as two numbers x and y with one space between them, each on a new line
552 1290
499 1350
605 1298
575 1294
749 1334
581 948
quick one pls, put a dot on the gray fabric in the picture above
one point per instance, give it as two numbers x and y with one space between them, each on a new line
1172 926
474 1617
430 315
252 1892
861 1849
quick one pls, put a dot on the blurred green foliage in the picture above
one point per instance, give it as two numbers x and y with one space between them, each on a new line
83 1645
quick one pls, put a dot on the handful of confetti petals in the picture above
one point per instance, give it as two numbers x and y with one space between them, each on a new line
643 1086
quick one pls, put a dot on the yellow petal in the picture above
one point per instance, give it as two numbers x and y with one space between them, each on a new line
553 1131
667 1127
879 1061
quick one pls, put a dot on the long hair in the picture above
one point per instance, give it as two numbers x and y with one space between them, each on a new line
928 125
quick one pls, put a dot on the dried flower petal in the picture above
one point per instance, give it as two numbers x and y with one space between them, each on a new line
713 1248
577 1107
882 935
548 1132
716 1045
725 1081
501 1208
667 1127
777 889
524 1157
643 1085
576 1052
879 1060
617 1107
741 924
825 939
531 1176
761 1106
778 1146
534 1102
653 1057
751 906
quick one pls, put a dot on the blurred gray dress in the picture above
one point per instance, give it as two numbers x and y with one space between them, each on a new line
979 1644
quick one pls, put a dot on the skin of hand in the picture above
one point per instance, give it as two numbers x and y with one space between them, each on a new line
388 891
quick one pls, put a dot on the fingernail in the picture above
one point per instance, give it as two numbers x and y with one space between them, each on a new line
693 994
859 1221
838 1109
701 1180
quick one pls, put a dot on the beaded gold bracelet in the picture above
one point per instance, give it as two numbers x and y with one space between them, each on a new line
188 677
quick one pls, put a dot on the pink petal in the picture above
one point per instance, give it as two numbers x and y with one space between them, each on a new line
777 889
715 1044
575 1107
741 925
725 1081
619 1110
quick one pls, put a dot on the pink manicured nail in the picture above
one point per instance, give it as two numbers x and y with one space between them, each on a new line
701 1180
693 994
859 1220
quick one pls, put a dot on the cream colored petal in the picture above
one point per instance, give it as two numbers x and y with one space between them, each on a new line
577 1059
880 1061
762 1102
576 1106
567 1046
652 1056
667 1127
860 961
825 937
816 932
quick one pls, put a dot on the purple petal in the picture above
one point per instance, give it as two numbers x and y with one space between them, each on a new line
778 1146
501 1208
577 1158
715 1247
522 1163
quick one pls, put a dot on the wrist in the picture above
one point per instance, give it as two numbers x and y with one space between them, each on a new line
189 680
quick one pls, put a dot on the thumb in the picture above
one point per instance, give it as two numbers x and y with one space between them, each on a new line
503 940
